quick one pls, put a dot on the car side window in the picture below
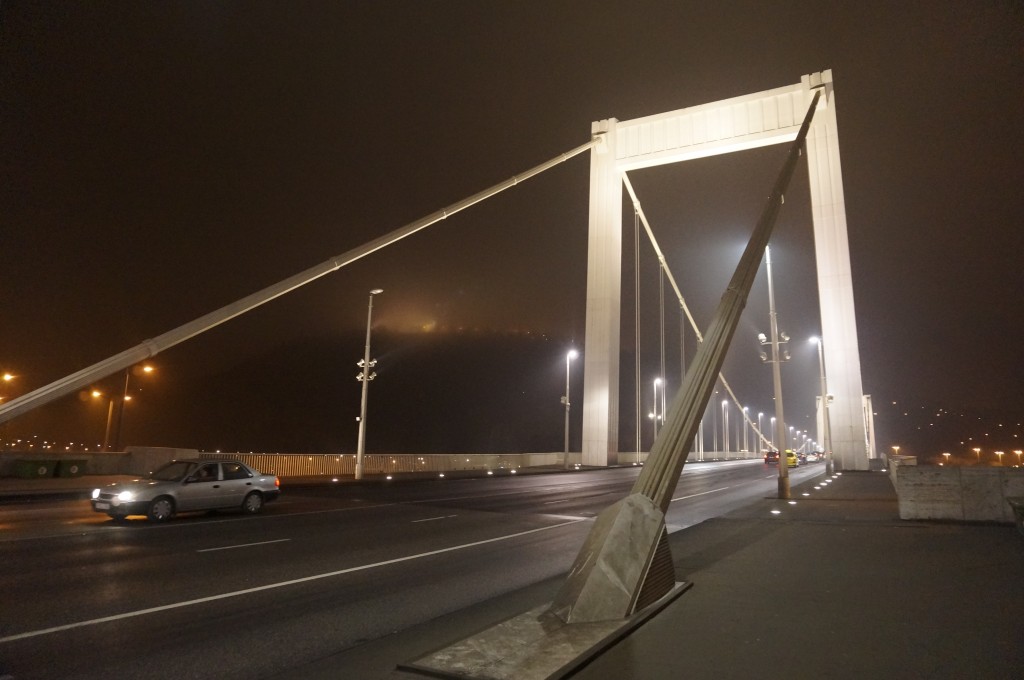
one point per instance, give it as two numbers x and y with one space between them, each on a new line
206 473
235 471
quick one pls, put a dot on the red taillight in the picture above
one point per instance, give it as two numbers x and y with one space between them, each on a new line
277 481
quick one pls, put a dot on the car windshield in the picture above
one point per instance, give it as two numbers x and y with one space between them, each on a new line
172 472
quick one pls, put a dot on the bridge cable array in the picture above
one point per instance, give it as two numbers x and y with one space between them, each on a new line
638 215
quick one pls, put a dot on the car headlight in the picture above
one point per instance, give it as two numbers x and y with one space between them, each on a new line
125 496
95 493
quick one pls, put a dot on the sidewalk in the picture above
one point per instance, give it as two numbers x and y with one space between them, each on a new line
835 586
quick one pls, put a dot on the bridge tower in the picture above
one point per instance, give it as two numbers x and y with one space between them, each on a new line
737 124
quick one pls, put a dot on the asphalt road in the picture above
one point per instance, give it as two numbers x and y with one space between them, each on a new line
323 569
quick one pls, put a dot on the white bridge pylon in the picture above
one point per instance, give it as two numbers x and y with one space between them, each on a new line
737 124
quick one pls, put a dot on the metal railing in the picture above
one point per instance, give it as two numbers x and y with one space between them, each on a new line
318 464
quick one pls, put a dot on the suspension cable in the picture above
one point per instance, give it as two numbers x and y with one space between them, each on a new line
638 213
151 347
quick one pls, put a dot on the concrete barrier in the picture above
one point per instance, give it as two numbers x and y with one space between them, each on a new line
315 464
135 460
963 494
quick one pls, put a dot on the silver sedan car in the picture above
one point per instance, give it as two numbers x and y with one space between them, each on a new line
188 485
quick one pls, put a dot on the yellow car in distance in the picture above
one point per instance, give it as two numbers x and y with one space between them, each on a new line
791 459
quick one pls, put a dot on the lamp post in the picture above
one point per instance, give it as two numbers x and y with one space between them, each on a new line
1000 454
946 456
7 378
656 415
365 377
746 442
826 423
771 440
700 440
96 394
570 355
714 422
977 452
725 427
1018 452
776 360
147 369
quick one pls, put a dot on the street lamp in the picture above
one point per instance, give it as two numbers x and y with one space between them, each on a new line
365 376
725 427
771 439
146 369
746 442
977 452
1000 454
656 416
1018 452
570 355
7 377
946 456
776 359
825 418
96 394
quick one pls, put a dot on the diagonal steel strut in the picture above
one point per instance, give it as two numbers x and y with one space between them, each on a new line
613 568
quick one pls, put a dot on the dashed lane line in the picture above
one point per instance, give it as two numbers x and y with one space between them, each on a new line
243 545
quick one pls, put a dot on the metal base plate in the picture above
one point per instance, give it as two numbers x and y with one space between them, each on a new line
535 645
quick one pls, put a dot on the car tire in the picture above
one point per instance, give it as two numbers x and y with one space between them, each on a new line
161 509
252 503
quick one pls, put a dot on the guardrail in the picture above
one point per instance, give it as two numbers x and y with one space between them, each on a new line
141 460
319 464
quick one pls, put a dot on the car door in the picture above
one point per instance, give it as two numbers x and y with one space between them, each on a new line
200 490
236 483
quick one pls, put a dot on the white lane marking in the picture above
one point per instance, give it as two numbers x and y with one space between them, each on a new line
431 519
243 545
573 518
702 493
561 500
517 492
272 586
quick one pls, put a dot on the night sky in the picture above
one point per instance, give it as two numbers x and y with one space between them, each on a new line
162 159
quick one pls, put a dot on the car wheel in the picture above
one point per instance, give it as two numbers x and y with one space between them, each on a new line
161 509
253 503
